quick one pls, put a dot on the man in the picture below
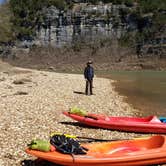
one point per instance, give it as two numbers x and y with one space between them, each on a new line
89 74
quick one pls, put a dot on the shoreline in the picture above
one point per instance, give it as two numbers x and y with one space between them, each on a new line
32 102
139 98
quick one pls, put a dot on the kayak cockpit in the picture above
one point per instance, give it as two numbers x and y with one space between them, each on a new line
125 147
151 119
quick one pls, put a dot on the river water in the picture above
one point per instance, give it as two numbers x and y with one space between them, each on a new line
144 90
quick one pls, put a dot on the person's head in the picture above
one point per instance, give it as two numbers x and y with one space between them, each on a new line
89 63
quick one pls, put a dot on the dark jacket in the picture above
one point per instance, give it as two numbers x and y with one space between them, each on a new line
89 73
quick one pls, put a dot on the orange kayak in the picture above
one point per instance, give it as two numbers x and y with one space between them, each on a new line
150 124
140 151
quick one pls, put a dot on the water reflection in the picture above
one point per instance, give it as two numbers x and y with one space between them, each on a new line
145 90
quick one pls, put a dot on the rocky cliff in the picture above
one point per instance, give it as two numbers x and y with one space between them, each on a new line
83 22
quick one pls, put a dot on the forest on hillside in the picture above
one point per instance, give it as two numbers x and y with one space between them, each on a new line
24 16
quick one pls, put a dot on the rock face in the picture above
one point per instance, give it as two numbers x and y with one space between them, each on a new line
83 22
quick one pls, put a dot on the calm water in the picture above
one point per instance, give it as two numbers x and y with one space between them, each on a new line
145 90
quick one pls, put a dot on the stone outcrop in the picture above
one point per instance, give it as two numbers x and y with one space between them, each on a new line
84 21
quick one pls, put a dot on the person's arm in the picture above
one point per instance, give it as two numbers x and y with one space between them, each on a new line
85 73
92 72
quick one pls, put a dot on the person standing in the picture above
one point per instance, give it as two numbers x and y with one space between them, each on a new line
89 74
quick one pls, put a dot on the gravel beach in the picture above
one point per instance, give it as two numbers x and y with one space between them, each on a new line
31 103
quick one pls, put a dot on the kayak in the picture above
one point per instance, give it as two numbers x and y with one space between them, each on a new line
162 119
150 124
139 151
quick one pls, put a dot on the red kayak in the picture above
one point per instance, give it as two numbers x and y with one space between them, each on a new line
150 124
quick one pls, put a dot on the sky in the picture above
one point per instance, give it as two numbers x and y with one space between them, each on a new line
1 1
